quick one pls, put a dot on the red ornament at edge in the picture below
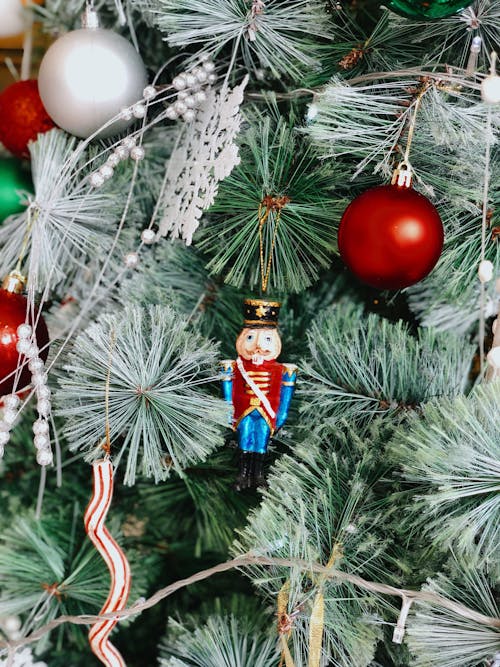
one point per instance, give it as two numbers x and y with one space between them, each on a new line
13 309
390 236
22 117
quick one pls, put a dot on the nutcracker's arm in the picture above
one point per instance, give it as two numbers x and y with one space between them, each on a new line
288 380
227 368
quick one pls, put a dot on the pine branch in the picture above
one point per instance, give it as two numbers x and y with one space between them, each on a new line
439 637
320 507
219 642
274 35
280 189
49 568
158 408
68 223
362 365
450 455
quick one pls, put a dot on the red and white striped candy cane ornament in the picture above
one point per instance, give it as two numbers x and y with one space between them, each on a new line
115 559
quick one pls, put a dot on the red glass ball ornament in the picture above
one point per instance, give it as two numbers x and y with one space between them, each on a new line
13 309
390 236
22 116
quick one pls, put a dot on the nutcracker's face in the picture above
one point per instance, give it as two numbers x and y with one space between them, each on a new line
259 345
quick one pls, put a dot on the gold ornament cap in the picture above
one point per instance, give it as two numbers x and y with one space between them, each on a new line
261 313
14 283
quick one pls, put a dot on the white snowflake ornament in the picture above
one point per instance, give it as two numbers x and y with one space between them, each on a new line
23 658
206 155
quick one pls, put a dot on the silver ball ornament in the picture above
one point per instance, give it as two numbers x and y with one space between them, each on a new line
86 78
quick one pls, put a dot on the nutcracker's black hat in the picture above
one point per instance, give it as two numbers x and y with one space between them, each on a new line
261 313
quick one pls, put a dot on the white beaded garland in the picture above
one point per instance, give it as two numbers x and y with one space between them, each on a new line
189 115
24 331
129 143
200 97
179 83
126 114
121 152
212 78
131 260
40 427
201 75
36 365
96 180
137 153
9 415
33 351
171 113
113 160
148 236
4 438
208 66
23 345
43 391
106 171
190 101
149 93
41 441
43 406
44 457
180 107
190 79
11 401
490 89
39 378
139 110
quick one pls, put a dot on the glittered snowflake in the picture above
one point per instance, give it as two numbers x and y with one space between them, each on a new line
23 658
206 155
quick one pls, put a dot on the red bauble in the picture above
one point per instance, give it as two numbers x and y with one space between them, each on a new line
390 237
22 117
13 309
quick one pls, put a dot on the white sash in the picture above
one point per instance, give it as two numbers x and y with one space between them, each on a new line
256 390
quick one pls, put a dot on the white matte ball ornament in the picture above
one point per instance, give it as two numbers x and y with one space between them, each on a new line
87 77
13 19
485 271
490 89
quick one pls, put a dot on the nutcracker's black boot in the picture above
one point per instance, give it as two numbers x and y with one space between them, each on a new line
244 479
258 467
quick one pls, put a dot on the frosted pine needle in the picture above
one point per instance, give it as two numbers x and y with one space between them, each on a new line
219 642
451 456
68 222
319 508
280 182
438 637
278 36
361 364
160 413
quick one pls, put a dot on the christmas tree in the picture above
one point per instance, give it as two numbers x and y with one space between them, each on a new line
249 358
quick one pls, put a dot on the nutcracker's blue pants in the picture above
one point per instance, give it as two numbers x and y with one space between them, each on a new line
253 433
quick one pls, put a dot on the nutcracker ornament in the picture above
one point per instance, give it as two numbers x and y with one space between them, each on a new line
259 388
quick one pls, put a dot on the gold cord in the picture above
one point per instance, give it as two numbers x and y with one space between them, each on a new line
267 205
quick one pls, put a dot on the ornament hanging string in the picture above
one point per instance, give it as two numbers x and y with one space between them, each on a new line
404 173
267 205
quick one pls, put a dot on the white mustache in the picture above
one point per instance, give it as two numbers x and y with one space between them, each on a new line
257 359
